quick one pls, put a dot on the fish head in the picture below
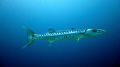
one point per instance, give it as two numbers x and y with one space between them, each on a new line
95 32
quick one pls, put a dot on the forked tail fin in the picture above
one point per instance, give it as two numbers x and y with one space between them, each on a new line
29 36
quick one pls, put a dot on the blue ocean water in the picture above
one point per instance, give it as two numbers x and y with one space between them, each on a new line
38 15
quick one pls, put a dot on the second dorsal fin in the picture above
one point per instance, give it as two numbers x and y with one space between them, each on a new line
73 28
50 30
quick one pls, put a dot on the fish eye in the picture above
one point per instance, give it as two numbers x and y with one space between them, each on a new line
94 30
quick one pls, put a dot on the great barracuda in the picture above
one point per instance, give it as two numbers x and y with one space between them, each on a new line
53 35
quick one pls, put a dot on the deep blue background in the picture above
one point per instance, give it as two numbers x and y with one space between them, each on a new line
38 15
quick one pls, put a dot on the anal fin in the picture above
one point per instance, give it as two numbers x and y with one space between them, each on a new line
51 41
77 40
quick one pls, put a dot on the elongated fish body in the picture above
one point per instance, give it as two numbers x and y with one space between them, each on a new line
53 35
60 35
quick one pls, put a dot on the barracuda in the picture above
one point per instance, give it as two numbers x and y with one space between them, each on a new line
53 35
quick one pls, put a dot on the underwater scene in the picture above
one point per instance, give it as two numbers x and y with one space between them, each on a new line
59 33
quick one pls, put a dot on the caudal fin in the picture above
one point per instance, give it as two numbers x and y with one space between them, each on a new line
30 34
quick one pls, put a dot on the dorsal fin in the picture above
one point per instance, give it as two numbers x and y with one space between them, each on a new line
50 30
73 28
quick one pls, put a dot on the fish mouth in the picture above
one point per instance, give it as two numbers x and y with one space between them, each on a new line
105 31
